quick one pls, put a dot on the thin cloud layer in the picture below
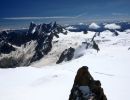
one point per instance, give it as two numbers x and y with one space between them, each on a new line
26 18
48 17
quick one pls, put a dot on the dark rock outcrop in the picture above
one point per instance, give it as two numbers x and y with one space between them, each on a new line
66 55
32 27
115 33
5 48
95 46
85 87
85 32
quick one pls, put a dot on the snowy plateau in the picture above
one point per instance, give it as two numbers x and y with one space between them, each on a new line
46 80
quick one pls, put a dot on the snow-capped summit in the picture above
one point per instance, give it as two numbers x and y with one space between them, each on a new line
70 28
81 23
112 26
94 26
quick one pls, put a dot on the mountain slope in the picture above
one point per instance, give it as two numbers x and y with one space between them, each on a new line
22 47
110 65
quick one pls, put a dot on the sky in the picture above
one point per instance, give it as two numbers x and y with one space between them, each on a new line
81 9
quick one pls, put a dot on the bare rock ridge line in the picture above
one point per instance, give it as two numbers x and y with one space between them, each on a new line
85 87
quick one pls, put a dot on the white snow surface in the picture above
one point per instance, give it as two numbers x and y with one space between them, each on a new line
127 31
44 80
70 27
112 26
94 26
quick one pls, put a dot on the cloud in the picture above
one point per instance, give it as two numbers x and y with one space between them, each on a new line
80 15
117 14
26 18
48 17
94 26
112 26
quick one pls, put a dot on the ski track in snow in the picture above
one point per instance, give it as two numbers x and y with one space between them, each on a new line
48 81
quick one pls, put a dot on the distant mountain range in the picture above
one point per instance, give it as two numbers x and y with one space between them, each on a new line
84 27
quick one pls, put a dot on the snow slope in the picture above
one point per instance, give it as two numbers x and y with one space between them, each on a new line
48 81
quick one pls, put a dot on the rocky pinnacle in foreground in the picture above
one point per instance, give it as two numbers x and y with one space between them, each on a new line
85 87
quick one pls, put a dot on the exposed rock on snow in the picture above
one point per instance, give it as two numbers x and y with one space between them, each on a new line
85 32
85 87
115 33
95 46
66 55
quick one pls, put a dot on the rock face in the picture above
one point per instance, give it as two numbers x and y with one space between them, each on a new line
20 43
66 55
85 87
5 48
44 34
95 46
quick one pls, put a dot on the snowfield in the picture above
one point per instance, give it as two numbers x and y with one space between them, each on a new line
44 80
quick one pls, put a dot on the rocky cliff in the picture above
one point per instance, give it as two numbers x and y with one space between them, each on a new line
85 87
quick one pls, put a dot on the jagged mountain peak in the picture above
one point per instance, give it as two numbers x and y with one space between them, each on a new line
15 39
